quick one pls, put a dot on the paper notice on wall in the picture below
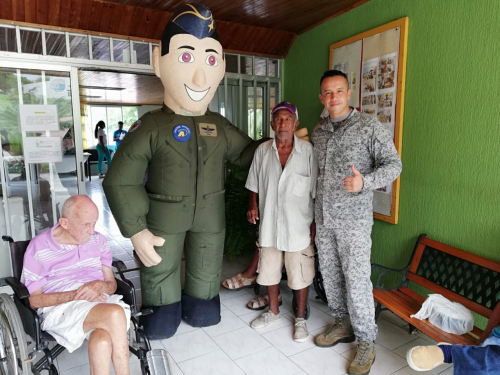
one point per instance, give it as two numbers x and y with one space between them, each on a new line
378 99
42 150
37 118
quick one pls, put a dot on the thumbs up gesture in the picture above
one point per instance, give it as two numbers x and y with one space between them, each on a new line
355 183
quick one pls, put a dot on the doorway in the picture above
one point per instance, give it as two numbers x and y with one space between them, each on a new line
41 159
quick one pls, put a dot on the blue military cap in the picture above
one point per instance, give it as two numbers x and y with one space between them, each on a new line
194 19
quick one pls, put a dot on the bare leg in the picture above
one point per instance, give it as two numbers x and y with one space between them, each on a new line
273 291
301 298
251 270
111 318
100 351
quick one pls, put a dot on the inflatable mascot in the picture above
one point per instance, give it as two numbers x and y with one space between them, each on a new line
184 147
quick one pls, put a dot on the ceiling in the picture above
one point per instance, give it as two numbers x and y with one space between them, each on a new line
260 27
119 88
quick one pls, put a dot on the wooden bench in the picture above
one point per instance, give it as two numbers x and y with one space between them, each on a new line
462 277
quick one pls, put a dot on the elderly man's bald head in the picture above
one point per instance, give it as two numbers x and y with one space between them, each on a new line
77 203
79 216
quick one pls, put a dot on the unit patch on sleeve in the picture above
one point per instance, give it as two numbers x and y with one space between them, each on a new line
134 126
207 130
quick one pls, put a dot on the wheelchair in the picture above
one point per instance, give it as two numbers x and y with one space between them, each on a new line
20 327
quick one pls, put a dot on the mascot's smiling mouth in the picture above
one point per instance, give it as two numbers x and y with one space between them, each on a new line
196 95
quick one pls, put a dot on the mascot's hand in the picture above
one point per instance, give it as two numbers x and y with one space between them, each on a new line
302 134
144 243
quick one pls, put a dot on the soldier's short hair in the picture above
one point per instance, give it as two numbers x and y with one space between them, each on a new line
332 73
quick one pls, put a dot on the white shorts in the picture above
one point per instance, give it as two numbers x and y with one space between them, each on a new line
65 322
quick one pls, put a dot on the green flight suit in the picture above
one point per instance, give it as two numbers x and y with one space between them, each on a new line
182 201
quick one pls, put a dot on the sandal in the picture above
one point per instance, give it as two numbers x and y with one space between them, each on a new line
260 303
239 282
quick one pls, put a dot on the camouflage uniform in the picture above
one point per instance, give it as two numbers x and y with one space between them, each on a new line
344 220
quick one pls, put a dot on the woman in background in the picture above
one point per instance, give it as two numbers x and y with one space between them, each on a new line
102 146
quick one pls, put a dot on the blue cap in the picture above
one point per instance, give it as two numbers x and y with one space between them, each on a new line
195 19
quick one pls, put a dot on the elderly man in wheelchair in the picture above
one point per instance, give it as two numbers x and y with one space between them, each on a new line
69 281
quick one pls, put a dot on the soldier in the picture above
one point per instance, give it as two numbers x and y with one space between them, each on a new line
356 155
185 147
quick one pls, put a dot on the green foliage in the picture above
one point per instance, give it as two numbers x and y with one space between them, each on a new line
240 234
129 116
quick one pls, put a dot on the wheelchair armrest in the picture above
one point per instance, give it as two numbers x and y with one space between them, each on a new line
19 288
127 290
399 273
7 238
119 265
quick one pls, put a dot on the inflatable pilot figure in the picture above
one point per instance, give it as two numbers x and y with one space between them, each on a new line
184 147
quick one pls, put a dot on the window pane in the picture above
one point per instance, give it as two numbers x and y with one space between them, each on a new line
260 66
129 116
56 44
231 63
114 115
31 83
31 42
79 46
8 39
100 49
246 65
273 68
141 53
121 50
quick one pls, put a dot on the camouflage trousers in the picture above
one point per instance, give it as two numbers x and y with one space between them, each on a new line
344 259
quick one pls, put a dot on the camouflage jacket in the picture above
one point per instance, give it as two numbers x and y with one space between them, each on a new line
363 142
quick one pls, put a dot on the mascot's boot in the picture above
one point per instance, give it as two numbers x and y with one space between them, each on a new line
200 312
163 322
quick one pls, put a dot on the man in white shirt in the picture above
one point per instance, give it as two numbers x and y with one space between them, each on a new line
283 176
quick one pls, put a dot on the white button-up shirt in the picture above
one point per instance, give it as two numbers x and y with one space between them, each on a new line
286 195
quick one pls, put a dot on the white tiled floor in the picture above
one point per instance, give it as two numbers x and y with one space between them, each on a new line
233 348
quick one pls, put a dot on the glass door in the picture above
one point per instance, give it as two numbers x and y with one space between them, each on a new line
41 159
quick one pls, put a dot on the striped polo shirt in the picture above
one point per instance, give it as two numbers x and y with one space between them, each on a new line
61 268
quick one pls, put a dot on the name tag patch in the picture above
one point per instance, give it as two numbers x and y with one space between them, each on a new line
207 130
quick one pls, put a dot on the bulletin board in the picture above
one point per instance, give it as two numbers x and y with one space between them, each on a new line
375 65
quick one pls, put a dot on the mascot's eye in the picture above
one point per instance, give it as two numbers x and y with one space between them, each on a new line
186 57
212 60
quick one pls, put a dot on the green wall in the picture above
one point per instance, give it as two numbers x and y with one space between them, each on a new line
450 185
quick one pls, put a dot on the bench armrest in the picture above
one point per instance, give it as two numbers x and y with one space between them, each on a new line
399 275
19 288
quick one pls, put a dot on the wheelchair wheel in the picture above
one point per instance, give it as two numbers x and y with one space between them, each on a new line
318 282
13 350
294 306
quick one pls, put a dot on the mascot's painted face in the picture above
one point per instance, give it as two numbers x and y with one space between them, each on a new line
190 72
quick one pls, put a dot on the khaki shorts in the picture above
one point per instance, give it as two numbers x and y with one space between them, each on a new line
299 267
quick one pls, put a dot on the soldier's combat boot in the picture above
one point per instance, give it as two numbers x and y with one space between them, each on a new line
340 331
364 359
